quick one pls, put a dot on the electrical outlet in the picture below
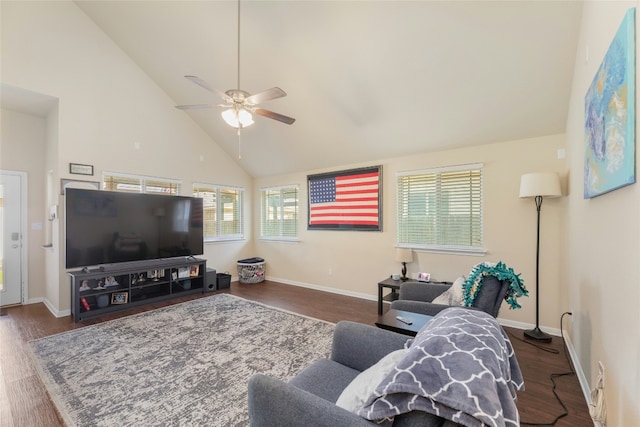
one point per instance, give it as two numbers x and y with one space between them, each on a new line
330 271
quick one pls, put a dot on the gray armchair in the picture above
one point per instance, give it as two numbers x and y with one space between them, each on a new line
309 398
417 296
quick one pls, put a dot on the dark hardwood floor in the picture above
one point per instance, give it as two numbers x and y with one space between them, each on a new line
24 400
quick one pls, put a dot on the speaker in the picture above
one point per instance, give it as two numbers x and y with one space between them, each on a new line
210 278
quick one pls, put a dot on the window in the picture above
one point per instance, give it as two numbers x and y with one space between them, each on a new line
222 211
441 209
279 213
113 181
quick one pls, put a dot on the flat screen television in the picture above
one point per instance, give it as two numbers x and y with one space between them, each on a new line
107 227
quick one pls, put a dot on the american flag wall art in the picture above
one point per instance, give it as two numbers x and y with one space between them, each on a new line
346 200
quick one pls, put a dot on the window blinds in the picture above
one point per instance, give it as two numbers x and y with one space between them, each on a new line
441 208
279 212
222 211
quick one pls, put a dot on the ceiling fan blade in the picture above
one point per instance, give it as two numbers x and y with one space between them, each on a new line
195 106
275 116
197 80
267 95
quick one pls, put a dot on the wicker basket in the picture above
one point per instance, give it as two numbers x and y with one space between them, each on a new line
251 271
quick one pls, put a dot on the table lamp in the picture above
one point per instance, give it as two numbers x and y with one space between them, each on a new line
404 256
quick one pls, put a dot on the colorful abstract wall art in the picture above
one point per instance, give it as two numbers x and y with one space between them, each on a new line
609 121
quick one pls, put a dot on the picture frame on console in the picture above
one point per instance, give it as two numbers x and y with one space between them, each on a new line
194 270
119 297
183 272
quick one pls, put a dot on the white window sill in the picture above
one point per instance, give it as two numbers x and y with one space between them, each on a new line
223 240
279 239
451 250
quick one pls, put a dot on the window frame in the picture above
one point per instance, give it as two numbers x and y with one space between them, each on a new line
281 237
477 225
197 187
143 181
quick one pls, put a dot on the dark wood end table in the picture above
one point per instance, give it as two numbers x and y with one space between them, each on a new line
389 321
394 285
389 283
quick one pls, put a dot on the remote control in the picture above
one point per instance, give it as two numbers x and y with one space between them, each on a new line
403 320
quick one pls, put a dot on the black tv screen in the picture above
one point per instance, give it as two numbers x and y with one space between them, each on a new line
107 227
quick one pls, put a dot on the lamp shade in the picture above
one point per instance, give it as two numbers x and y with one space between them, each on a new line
235 118
404 255
545 184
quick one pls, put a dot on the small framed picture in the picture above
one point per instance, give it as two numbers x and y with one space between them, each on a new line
174 275
424 277
119 297
194 270
79 169
183 272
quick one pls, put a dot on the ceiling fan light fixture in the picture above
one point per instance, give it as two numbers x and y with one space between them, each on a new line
235 118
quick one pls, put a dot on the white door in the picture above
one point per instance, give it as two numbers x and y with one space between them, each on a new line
11 238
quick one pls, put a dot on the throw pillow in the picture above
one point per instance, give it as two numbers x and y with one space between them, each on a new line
362 386
453 295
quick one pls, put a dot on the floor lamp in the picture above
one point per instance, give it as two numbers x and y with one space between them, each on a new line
538 186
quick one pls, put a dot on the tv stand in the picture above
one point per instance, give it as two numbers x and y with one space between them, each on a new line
146 264
95 292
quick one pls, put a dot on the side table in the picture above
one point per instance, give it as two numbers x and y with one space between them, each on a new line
394 285
389 283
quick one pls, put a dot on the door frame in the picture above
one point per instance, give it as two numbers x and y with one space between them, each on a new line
24 251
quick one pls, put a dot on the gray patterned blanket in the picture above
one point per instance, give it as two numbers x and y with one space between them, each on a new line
461 366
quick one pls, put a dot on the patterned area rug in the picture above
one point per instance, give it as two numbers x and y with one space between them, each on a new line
186 364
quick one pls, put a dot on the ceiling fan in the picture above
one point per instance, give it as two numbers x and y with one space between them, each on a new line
240 105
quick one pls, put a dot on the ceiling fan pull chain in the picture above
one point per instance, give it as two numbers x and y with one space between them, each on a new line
239 142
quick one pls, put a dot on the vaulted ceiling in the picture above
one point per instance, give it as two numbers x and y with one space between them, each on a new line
366 80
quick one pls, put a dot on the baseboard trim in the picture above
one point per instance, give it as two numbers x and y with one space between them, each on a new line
35 300
582 379
525 326
324 289
50 307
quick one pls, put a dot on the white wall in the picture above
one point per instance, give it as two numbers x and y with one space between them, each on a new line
110 115
604 241
354 262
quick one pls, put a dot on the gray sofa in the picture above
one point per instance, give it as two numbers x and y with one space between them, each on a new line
416 297
309 398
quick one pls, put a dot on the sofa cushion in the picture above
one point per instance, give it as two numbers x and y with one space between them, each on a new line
354 396
453 295
491 288
325 378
